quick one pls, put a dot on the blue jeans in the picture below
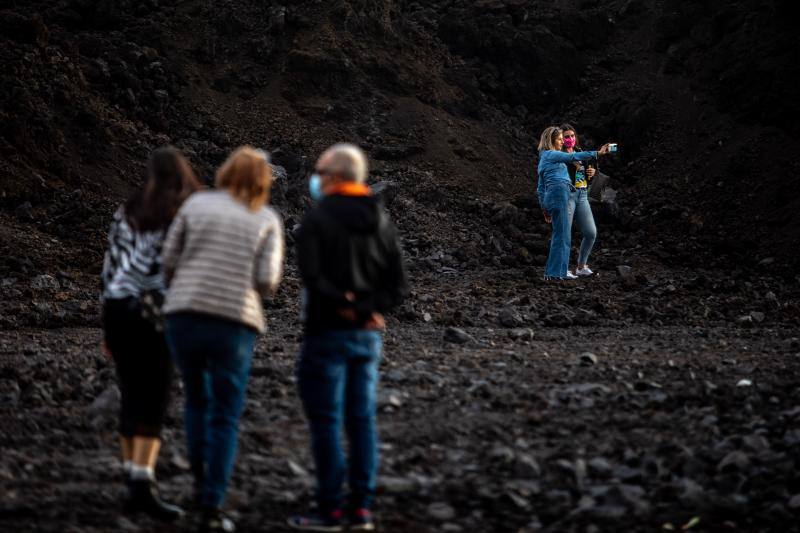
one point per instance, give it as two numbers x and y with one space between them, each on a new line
581 211
337 376
214 357
556 202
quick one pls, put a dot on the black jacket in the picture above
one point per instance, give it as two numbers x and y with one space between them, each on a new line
348 243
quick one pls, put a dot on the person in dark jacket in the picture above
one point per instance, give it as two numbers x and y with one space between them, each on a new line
352 272
133 287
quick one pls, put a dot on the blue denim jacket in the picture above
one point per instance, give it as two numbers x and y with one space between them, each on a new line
553 168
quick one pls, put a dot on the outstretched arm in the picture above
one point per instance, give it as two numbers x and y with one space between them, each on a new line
567 157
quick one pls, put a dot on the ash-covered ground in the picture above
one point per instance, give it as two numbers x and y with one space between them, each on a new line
663 392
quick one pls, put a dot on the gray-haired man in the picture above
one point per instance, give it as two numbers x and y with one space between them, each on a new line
352 272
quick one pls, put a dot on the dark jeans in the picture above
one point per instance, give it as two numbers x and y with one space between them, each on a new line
214 357
337 378
144 368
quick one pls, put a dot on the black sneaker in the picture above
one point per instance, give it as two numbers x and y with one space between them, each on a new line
360 520
143 497
213 519
317 522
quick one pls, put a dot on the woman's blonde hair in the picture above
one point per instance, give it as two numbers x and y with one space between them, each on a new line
247 175
548 138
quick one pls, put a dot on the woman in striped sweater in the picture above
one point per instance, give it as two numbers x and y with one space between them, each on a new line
133 287
222 254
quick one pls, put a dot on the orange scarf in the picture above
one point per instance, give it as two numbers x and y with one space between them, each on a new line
348 188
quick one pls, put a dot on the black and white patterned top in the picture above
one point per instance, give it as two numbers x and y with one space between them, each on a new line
132 263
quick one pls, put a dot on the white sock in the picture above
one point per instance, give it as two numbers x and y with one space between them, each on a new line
141 472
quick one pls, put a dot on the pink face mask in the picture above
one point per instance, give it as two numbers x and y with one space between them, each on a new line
569 142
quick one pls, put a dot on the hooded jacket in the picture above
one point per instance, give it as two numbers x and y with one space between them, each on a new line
348 244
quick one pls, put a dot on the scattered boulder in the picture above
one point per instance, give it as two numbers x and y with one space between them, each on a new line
735 460
386 191
599 467
106 403
389 398
45 282
24 212
441 511
510 318
397 485
9 392
794 502
457 336
521 334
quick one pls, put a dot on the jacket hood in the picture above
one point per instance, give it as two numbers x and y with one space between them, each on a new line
359 214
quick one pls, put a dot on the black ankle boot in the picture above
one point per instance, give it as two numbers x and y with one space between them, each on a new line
143 497
214 520
198 474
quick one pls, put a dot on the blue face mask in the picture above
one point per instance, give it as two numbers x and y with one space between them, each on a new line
315 187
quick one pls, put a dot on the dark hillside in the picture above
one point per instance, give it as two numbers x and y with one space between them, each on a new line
699 97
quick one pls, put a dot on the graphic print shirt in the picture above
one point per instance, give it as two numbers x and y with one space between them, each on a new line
580 176
132 264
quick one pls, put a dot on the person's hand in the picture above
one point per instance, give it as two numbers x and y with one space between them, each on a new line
376 321
603 149
547 217
590 171
104 350
348 313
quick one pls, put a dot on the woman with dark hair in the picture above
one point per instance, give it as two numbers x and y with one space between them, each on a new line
222 254
581 173
133 288
554 190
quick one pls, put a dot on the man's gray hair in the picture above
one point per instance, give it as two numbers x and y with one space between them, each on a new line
347 161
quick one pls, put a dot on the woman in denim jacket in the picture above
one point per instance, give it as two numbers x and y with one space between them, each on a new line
554 190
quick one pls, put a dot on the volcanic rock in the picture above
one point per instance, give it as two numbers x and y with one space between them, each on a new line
624 271
106 403
457 336
45 281
441 511
735 460
510 318
521 334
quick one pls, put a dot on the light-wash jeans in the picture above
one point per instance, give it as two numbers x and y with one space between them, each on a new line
581 211
557 201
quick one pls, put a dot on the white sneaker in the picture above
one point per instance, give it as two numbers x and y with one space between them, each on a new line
570 275
585 271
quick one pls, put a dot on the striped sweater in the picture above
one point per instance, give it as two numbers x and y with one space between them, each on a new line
220 258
